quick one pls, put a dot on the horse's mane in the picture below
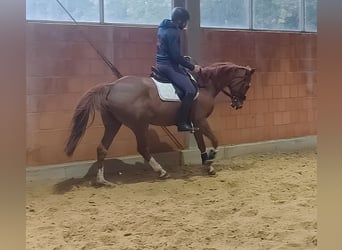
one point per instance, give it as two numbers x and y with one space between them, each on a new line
213 70
217 65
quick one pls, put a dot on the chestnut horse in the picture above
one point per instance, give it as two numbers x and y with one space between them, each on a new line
134 102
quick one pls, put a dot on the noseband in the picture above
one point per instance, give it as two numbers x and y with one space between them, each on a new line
234 97
237 95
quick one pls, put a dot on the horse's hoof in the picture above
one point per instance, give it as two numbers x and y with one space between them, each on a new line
105 183
164 176
211 171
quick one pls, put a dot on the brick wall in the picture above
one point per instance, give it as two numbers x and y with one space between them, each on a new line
282 100
61 66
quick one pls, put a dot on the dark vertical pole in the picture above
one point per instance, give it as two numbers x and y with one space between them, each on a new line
101 5
13 123
181 3
194 30
251 17
193 44
178 3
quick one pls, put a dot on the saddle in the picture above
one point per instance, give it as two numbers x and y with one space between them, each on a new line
156 74
160 79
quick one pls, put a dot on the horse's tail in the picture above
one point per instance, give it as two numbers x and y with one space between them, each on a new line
93 99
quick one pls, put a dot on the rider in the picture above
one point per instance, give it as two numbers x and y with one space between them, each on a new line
169 58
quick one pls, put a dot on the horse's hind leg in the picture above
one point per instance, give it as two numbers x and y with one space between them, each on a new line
142 147
112 127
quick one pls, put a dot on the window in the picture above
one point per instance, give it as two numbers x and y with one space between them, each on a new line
287 15
136 11
310 15
225 13
50 10
277 14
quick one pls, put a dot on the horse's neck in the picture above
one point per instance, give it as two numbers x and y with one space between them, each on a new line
209 90
213 86
216 80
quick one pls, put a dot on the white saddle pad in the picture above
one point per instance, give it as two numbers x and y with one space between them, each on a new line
167 92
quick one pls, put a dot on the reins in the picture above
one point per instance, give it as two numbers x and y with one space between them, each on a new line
116 72
227 93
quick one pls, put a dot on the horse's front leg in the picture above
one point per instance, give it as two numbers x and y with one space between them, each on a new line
143 149
207 157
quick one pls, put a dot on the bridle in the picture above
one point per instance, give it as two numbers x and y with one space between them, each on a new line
235 96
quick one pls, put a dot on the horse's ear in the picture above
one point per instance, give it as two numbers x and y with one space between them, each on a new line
249 70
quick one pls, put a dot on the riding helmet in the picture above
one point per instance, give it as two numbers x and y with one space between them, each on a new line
180 14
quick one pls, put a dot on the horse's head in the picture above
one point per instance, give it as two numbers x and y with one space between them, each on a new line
231 79
239 85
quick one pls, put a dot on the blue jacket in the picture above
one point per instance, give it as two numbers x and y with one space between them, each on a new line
168 45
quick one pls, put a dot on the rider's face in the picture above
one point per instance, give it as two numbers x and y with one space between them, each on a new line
181 24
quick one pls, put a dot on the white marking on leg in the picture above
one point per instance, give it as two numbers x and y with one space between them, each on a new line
100 177
156 167
211 170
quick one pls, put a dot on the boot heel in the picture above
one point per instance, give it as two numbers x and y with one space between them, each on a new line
184 127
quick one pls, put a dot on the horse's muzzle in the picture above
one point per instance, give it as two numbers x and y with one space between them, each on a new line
236 107
236 104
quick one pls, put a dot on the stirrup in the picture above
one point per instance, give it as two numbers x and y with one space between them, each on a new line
186 128
193 128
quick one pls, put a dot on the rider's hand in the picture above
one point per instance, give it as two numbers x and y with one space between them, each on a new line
197 69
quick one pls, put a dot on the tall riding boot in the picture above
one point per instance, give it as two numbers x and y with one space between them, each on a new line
183 123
